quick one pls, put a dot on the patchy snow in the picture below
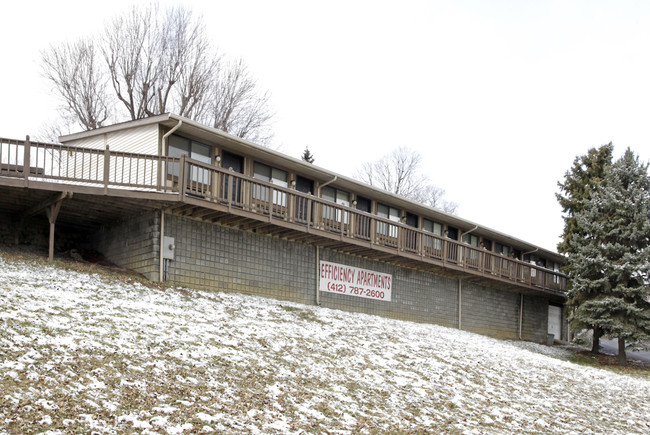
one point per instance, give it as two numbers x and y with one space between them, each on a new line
87 353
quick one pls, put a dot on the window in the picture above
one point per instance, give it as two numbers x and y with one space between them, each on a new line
505 251
390 213
195 150
471 240
471 254
236 164
502 249
434 228
340 197
270 175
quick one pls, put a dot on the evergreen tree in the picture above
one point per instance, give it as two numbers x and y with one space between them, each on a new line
580 181
307 156
609 264
583 177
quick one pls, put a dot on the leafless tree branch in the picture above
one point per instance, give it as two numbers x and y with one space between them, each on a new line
399 173
158 62
77 76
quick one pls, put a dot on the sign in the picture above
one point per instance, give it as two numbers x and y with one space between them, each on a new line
347 280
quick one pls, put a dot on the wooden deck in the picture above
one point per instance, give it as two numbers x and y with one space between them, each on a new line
89 187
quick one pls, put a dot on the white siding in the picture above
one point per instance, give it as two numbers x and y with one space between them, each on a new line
142 140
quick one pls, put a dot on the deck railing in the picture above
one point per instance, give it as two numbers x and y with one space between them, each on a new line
189 178
61 163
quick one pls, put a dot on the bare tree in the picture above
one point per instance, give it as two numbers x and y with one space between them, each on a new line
77 76
132 49
433 196
236 106
196 78
399 173
396 172
158 62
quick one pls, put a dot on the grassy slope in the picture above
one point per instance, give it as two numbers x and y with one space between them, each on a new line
82 351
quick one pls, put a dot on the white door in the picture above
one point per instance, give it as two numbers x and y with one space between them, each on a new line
555 321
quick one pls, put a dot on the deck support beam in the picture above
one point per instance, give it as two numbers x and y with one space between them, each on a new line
52 213
52 207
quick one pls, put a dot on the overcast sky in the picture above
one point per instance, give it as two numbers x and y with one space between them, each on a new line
498 96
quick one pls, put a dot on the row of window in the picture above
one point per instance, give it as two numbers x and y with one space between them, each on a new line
198 151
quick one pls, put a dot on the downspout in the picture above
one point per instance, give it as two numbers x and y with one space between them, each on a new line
521 297
162 243
318 248
465 233
318 211
326 183
162 211
166 136
521 313
460 240
460 302
317 275
529 252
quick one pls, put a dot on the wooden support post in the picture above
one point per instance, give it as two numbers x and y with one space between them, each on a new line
19 229
26 160
52 213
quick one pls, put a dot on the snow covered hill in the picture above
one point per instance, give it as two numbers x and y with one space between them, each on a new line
83 352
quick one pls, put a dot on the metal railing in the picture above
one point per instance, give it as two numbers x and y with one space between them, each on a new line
194 179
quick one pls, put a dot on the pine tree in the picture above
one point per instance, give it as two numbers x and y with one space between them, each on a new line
307 156
580 181
609 265
585 174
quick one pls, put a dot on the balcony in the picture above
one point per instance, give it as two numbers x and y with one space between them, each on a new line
197 190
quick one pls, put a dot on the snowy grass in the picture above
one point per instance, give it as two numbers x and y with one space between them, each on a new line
87 352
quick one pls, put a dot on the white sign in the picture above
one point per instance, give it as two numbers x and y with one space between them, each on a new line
347 280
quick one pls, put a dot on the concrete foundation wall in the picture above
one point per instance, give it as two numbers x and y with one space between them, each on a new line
134 244
220 258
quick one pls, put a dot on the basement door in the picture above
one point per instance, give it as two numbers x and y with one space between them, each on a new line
555 321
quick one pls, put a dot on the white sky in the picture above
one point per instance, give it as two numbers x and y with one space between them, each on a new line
498 96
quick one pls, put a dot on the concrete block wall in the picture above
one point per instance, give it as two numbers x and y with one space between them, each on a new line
134 244
535 319
215 257
495 312
220 258
490 311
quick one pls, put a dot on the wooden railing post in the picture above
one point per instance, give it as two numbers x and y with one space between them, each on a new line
444 250
309 222
271 203
107 167
26 160
182 178
231 193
